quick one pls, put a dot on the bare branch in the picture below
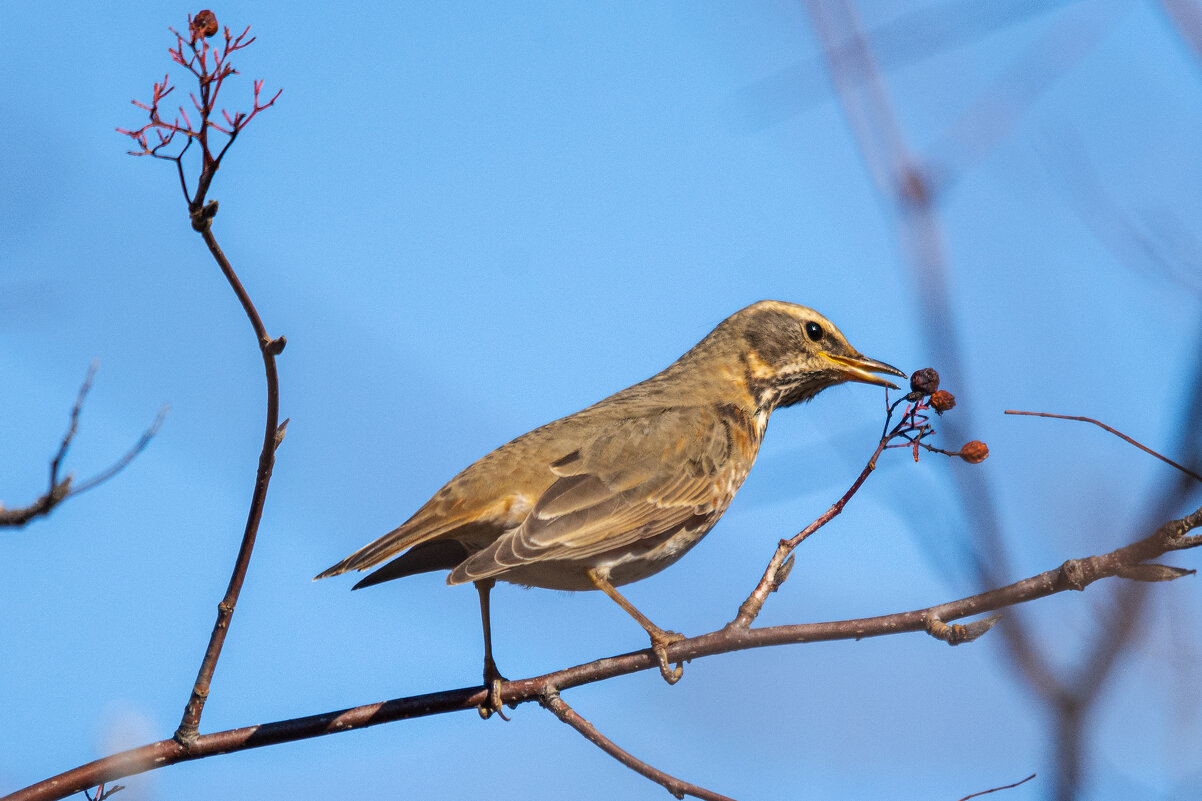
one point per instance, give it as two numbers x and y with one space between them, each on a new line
673 785
273 435
61 489
913 428
1117 433
119 465
996 789
210 66
911 190
1075 574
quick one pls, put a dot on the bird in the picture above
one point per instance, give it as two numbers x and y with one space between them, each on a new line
624 488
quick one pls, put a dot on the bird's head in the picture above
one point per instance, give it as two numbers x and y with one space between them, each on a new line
790 353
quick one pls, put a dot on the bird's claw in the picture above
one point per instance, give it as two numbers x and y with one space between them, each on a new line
492 683
660 646
671 675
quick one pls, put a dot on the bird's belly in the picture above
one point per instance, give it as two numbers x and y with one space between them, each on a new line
623 565
626 568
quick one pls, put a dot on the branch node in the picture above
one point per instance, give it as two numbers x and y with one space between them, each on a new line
202 217
782 575
548 695
274 347
61 490
1074 575
1175 533
186 736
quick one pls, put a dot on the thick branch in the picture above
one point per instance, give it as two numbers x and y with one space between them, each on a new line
1075 574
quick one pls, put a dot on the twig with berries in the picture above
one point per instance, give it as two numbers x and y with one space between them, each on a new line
913 429
926 396
210 66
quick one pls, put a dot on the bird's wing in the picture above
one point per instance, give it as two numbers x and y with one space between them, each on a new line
634 480
438 518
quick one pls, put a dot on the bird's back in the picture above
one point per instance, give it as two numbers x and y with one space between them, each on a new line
652 451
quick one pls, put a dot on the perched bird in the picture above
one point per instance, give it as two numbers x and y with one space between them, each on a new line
618 491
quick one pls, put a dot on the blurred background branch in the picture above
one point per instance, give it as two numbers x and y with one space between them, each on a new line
1068 693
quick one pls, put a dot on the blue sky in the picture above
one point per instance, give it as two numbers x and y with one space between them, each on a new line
470 220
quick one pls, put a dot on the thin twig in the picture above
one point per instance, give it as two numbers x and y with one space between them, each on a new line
119 465
677 787
73 427
996 789
912 428
210 67
1075 574
750 608
189 725
1116 432
61 489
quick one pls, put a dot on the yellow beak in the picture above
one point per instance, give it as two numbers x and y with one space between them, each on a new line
861 368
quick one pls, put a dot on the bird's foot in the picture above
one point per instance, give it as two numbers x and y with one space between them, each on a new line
492 683
659 644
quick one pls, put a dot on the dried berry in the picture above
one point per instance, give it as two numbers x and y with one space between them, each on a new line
942 400
204 24
925 381
974 452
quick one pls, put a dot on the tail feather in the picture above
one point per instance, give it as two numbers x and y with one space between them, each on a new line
410 533
436 555
434 540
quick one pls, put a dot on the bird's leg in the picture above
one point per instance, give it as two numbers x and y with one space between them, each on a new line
492 676
660 639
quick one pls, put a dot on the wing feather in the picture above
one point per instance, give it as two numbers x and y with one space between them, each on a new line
431 522
634 481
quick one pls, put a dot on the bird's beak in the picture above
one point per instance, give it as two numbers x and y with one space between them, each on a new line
861 368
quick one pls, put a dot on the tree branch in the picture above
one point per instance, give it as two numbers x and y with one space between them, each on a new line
673 785
61 489
273 435
1116 432
210 66
1075 574
998 789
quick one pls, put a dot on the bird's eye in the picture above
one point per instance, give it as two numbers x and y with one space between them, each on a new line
813 331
